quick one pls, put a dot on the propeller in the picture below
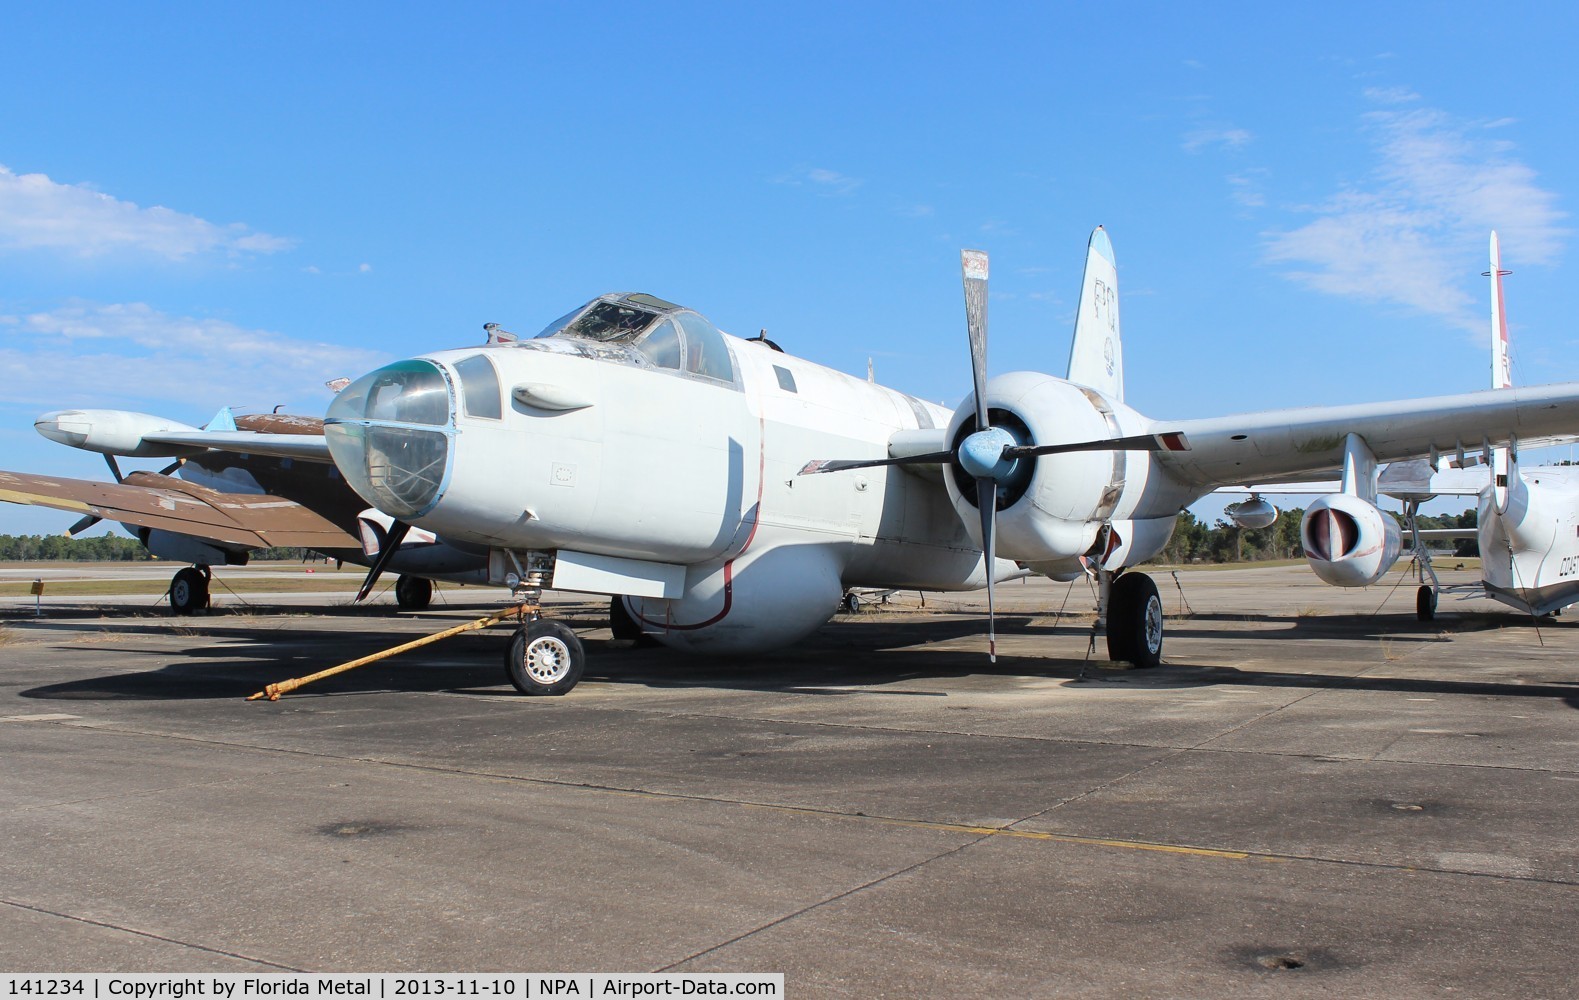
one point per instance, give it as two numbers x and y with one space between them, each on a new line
988 454
979 445
115 470
392 539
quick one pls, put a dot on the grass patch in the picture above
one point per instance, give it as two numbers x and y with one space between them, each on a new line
153 588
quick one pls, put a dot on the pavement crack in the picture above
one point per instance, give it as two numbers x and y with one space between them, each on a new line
75 918
827 901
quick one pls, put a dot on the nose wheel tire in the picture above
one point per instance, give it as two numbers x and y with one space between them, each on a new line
1425 604
544 658
1134 621
189 591
413 593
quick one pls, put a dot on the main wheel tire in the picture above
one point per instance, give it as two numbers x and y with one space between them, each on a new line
544 658
851 605
413 593
1134 621
188 591
1425 604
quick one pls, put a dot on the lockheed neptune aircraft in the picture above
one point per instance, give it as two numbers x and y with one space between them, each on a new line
729 494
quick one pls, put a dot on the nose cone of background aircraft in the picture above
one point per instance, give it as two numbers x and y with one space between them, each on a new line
65 427
389 433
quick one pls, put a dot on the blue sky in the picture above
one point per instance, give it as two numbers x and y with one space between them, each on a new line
206 205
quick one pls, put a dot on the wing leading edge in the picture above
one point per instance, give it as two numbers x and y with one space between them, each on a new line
1256 447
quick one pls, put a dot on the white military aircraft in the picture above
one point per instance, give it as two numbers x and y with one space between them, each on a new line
1527 522
633 449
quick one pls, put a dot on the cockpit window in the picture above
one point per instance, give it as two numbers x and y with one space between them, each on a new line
705 352
667 335
609 322
479 386
662 345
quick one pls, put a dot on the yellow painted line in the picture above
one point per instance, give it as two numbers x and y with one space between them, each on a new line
1056 838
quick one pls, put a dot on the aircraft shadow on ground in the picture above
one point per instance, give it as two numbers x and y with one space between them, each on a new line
845 658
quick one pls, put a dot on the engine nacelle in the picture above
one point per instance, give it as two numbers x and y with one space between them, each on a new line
1050 508
1253 513
113 432
1349 542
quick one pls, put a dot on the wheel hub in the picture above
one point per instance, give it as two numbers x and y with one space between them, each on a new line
547 660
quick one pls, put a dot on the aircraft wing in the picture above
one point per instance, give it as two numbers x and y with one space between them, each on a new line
1258 447
153 501
1411 480
307 447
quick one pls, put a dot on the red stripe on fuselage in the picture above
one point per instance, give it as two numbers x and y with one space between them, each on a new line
729 566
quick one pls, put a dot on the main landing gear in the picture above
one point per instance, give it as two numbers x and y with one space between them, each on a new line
413 593
1132 610
189 590
1425 597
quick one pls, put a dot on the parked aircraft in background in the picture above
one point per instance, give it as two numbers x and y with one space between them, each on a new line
633 449
1527 520
224 503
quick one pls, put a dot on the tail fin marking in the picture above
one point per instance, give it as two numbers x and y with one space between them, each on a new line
1096 355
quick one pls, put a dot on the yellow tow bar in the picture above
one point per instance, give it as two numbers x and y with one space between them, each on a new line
273 691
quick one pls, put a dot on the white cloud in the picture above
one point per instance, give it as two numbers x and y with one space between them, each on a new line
1245 188
132 355
1225 136
819 179
365 268
1413 231
37 213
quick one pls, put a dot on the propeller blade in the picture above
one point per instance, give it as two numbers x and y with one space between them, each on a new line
115 468
1167 441
843 464
172 467
392 540
973 264
84 524
987 504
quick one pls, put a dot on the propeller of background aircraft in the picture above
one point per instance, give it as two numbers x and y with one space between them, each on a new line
989 454
115 470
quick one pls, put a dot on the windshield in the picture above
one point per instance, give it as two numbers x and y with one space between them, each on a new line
604 321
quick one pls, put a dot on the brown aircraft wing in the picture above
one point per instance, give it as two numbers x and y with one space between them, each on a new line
153 501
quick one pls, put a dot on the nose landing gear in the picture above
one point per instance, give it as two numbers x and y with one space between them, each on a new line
544 658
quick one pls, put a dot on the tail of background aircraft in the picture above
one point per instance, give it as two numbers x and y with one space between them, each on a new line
1096 357
1504 460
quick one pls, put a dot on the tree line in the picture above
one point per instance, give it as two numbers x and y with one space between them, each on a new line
106 548
1193 541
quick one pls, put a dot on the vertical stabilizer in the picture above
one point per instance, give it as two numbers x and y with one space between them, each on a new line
1504 459
1501 367
1096 358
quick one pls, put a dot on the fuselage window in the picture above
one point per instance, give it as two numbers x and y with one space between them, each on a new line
786 378
479 386
705 351
662 345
